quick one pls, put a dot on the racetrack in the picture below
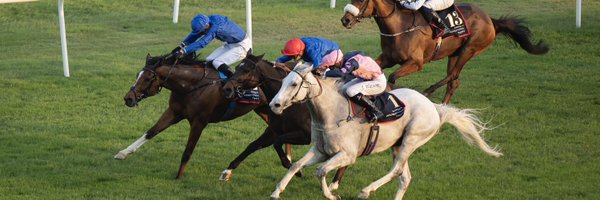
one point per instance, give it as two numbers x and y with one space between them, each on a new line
58 135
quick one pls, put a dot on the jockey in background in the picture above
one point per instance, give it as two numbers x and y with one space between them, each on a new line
309 49
428 8
368 80
207 28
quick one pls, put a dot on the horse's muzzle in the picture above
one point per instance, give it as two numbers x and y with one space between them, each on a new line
130 102
348 20
228 91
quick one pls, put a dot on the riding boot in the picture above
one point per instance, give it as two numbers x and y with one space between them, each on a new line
224 68
430 15
364 101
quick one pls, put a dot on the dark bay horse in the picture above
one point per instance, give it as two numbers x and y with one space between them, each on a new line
406 39
290 127
196 96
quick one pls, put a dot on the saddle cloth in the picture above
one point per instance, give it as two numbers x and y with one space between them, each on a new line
251 96
392 107
455 20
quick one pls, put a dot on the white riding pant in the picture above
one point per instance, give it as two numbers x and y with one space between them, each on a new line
365 87
230 53
436 5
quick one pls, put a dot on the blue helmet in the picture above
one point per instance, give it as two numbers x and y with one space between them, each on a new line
199 23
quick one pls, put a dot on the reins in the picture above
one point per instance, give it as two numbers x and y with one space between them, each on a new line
394 10
307 97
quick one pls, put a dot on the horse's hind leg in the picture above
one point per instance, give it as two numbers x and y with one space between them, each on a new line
412 140
451 63
195 132
168 118
311 157
265 140
403 182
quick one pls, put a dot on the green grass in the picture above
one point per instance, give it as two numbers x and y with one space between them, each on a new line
58 135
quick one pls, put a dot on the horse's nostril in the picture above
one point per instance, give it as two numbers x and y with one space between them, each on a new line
277 105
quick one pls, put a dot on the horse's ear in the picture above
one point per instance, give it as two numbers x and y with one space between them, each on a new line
303 68
261 56
148 56
249 52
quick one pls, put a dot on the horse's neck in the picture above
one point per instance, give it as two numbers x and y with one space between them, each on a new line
270 86
329 107
398 21
184 79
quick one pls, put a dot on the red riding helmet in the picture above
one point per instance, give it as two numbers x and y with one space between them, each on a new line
293 47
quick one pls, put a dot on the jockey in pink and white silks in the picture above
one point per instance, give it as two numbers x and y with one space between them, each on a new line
207 28
368 80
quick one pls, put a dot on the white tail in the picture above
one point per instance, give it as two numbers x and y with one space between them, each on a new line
468 124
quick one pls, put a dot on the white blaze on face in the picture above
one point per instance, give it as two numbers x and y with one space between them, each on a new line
138 77
352 9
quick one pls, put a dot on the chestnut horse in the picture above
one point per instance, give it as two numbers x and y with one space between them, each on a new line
196 95
290 127
406 39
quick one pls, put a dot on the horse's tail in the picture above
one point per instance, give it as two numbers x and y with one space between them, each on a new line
468 124
515 28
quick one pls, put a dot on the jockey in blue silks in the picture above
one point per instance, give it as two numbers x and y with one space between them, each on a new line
207 28
309 49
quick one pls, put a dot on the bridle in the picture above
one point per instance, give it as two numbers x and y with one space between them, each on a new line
155 77
308 86
363 8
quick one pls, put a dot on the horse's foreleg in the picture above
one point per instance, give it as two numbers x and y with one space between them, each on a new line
311 157
340 159
298 137
337 179
168 118
195 132
265 140
409 67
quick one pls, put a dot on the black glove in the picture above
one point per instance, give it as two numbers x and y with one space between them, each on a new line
177 54
176 49
353 66
347 77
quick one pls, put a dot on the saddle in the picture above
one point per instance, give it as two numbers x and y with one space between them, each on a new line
392 107
455 20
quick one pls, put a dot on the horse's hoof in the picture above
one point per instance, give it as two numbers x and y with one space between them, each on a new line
275 198
334 186
225 175
121 156
338 197
363 195
298 174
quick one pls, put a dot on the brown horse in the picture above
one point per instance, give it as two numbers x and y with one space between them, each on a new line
406 39
196 95
293 126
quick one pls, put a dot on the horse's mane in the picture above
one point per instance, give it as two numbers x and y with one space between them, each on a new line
189 60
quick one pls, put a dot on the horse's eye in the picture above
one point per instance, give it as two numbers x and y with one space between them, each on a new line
294 84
